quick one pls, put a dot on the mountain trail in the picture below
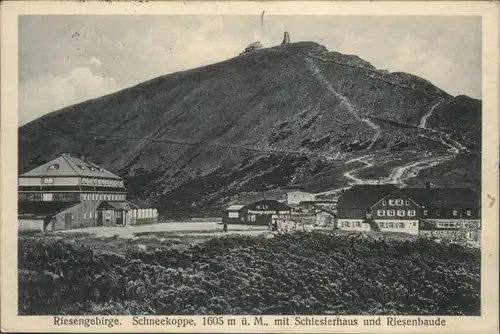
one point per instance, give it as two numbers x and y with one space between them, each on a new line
423 120
400 174
344 102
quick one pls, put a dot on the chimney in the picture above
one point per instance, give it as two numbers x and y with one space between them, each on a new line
131 172
82 157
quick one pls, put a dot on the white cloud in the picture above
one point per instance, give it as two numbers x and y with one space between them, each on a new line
48 93
95 61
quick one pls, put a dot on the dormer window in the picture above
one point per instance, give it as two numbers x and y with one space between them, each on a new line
53 167
81 167
92 168
100 169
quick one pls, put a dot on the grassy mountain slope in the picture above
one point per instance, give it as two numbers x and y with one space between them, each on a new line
266 119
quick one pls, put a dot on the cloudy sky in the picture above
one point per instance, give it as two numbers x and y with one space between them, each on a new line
69 59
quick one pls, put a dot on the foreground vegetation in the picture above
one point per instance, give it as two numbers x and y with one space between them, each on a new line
301 273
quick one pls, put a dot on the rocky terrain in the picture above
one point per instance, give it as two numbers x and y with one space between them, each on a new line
270 118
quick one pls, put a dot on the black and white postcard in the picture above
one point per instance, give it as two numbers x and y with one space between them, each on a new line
307 167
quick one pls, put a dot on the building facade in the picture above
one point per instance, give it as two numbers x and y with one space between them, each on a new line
294 197
452 213
100 195
262 212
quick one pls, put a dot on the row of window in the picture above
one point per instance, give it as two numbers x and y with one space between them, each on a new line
69 197
380 224
103 197
143 213
351 224
456 225
29 197
399 213
90 181
140 213
455 213
396 202
102 182
396 224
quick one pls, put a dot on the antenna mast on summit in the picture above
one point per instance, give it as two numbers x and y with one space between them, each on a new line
262 24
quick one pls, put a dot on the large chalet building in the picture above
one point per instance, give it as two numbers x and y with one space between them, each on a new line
452 213
72 192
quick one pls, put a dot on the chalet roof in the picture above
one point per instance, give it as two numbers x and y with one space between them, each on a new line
42 209
443 197
120 205
66 165
330 212
365 195
139 203
234 207
318 202
272 203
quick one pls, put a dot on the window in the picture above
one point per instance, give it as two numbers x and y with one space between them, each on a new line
381 224
99 181
91 214
425 212
401 225
100 197
401 213
48 180
53 167
468 213
390 224
47 197
407 203
455 213
66 197
413 213
118 214
34 197
384 203
84 215
438 213
380 212
399 202
358 224
81 167
392 202
390 213
414 224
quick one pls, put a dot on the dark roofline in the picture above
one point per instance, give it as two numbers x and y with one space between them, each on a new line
327 211
70 205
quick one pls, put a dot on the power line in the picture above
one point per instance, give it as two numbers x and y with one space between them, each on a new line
100 136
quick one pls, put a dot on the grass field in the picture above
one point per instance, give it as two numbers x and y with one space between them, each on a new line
245 273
